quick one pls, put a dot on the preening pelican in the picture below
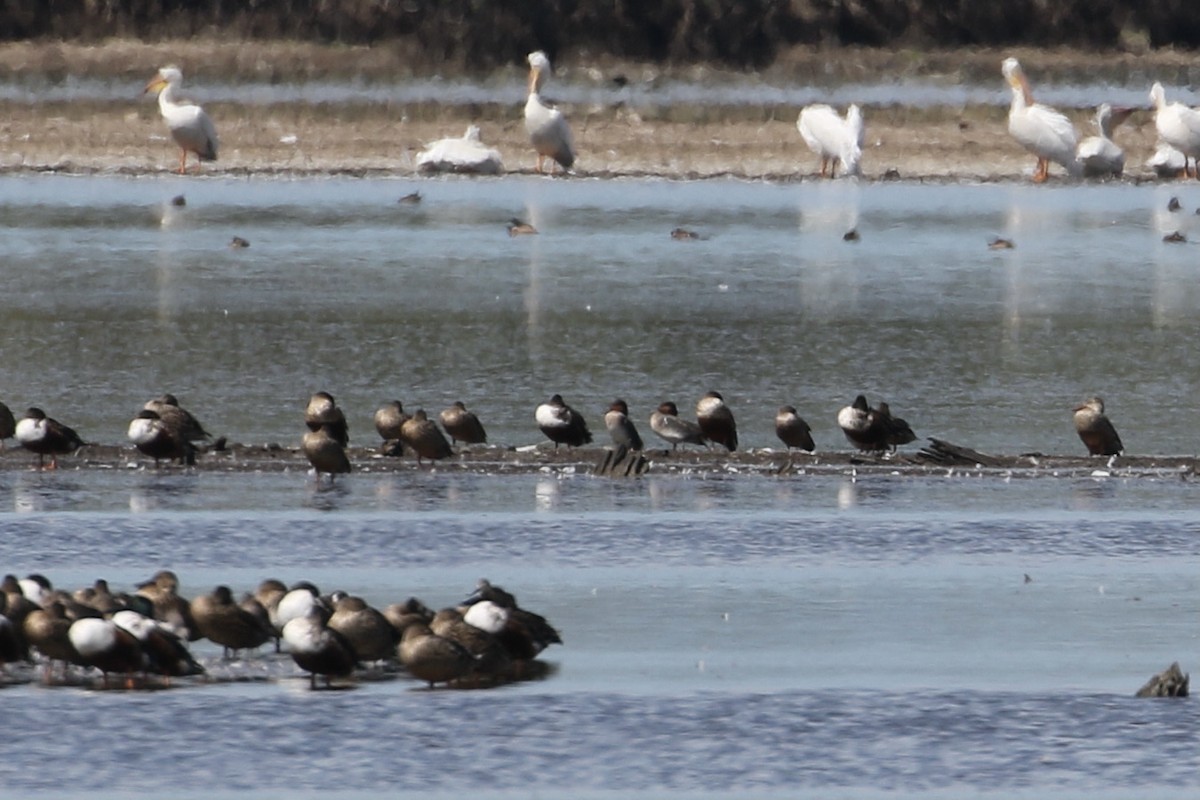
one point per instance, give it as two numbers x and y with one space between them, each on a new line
468 155
191 128
1043 131
1099 156
1178 126
832 138
1167 162
547 127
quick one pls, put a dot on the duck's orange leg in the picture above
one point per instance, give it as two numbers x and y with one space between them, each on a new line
182 161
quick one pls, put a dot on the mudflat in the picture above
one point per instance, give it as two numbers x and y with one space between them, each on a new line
613 140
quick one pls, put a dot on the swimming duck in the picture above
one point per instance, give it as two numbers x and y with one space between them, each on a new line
1177 126
792 430
190 126
222 621
1046 133
462 425
153 437
1095 429
665 422
432 658
46 436
423 436
325 451
8 424
367 629
620 427
716 420
466 154
177 418
389 419
832 138
562 424
318 649
323 410
1100 156
547 127
518 228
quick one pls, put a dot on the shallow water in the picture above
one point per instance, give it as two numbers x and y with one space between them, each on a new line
122 296
726 635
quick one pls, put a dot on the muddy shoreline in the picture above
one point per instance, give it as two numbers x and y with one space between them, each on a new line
543 459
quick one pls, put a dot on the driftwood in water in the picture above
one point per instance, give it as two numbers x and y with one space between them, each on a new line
621 462
1171 682
940 452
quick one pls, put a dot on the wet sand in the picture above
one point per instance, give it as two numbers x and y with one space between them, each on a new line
374 139
528 460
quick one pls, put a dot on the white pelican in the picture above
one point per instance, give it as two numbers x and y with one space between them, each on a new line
832 138
191 128
1100 156
1043 131
547 127
467 154
1178 126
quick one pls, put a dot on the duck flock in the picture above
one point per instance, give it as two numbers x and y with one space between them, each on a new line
164 430
141 638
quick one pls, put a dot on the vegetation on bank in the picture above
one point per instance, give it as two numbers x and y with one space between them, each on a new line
482 34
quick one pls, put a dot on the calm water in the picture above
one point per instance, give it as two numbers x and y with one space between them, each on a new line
731 636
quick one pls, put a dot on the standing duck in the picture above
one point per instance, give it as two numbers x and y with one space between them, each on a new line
422 435
547 127
153 437
666 422
1096 430
620 427
792 430
46 436
190 126
223 621
8 424
1041 130
322 409
562 424
366 628
462 425
326 451
716 420
432 658
177 418
389 419
864 427
318 649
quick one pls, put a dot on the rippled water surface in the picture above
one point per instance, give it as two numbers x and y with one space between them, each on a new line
726 635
